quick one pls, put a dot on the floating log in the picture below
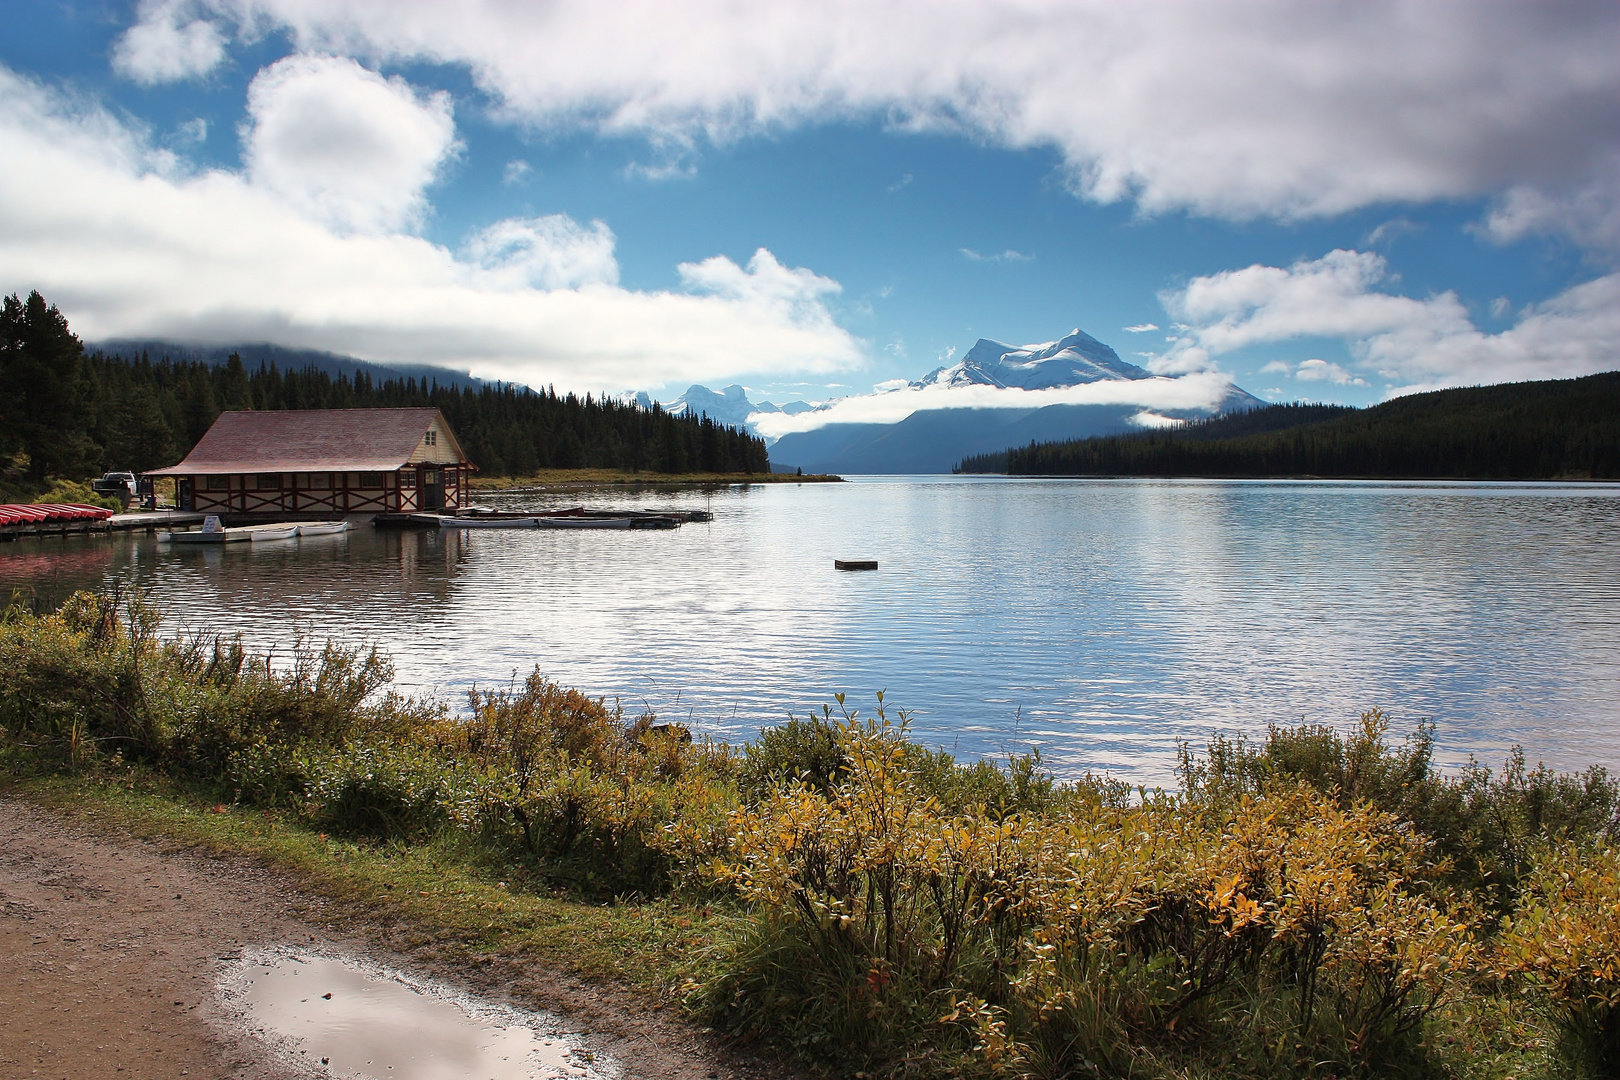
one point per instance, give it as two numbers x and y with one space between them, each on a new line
854 564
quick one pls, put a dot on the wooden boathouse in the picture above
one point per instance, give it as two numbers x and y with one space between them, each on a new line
311 464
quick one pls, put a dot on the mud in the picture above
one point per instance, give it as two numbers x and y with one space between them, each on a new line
114 949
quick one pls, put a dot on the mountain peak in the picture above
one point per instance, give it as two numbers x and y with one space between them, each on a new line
1070 361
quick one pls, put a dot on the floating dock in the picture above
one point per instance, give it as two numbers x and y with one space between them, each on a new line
854 564
577 517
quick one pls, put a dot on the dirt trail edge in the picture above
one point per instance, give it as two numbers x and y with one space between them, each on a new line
110 947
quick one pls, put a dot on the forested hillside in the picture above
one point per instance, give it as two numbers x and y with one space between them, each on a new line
65 413
1557 429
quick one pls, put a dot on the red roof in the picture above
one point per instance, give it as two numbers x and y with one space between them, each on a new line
309 440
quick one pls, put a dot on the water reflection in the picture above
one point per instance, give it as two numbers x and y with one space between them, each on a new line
1102 620
362 1021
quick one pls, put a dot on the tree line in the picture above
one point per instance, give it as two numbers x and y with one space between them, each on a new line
1554 429
68 413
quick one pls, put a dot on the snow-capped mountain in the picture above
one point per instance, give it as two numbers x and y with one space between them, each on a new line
1070 361
730 406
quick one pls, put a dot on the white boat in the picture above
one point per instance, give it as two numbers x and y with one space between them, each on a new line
486 523
582 523
323 528
260 533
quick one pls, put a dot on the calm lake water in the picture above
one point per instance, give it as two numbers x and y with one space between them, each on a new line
1100 620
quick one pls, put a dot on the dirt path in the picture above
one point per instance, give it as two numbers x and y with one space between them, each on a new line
110 947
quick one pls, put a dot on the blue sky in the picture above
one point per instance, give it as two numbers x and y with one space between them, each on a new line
1329 202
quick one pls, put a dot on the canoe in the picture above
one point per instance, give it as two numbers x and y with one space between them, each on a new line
199 536
487 523
259 533
582 523
322 528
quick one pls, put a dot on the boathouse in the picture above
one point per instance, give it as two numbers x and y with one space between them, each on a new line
310 464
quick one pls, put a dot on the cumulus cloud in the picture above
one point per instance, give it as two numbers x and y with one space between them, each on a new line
90 217
344 145
1237 109
552 252
168 43
1413 344
1200 391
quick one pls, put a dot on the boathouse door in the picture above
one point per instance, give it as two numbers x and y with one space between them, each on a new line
432 489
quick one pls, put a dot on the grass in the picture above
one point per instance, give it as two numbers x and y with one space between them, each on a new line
583 478
439 893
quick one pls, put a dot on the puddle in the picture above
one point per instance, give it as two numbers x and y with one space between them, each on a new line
346 1018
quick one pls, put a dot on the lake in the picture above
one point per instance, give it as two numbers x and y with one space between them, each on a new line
1101 620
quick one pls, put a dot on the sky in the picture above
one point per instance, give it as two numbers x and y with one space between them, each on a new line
1337 201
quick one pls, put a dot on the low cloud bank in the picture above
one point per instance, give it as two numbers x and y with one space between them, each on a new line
1201 390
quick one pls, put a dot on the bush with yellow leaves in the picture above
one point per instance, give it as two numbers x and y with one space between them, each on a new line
1045 944
1562 942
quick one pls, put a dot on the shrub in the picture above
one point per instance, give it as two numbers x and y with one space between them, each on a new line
1562 942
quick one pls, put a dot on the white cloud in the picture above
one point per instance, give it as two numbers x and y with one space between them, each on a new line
1237 108
552 252
1141 328
889 386
1416 344
343 144
1587 212
90 218
1005 256
516 172
1203 391
167 44
1326 371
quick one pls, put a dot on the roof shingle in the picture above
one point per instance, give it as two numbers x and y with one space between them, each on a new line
307 440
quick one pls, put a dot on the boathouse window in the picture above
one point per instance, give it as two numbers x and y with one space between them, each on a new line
217 483
371 480
407 479
320 481
267 481
431 439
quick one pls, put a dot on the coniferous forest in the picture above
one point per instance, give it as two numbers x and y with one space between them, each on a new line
69 414
1556 429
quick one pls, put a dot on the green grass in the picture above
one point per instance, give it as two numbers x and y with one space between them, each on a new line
439 894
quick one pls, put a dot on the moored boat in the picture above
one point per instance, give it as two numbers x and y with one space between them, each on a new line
322 528
583 522
486 522
260 533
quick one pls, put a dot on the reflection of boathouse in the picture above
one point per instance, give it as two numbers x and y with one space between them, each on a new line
320 463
